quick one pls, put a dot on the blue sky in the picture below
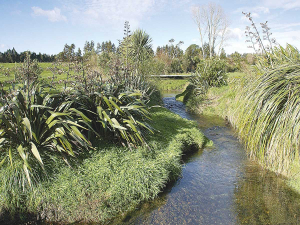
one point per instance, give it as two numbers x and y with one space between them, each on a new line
46 25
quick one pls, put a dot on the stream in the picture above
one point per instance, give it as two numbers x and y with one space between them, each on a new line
220 185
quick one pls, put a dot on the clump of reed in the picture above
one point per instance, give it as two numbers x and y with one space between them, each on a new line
268 120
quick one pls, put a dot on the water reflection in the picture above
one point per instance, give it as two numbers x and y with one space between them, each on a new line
219 185
263 198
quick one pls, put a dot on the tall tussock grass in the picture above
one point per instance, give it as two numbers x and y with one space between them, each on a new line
264 107
267 117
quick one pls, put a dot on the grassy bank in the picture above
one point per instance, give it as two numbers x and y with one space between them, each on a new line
109 182
218 100
264 110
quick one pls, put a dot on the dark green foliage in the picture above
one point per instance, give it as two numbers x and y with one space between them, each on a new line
114 179
191 58
12 56
117 115
35 126
187 94
210 73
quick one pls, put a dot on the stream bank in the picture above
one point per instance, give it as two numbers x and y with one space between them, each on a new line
220 185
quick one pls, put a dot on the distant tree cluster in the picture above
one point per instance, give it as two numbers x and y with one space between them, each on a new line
174 60
12 56
96 55
134 51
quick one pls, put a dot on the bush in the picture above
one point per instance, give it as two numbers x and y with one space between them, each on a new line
119 115
115 109
112 180
35 126
210 73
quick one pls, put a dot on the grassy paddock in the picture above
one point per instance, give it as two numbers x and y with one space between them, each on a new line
111 181
170 84
44 75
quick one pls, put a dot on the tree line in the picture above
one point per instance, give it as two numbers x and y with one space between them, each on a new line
12 56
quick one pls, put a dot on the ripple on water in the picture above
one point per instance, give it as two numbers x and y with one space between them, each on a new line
219 185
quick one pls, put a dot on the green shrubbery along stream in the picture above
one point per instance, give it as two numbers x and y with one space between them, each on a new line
110 181
89 151
263 106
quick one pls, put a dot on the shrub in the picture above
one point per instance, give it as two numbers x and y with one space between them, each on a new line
210 73
35 126
116 115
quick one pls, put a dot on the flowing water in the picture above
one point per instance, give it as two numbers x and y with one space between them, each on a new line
220 185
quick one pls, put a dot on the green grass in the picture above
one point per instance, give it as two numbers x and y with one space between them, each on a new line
218 98
264 112
46 74
170 84
110 182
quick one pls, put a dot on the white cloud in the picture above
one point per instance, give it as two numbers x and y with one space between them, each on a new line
113 12
2 45
292 37
282 4
285 26
262 9
236 33
237 46
256 9
52 15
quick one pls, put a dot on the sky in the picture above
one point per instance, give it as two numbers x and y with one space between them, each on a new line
47 25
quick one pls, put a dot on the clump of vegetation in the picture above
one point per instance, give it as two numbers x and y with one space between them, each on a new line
85 150
263 107
113 179
268 117
36 128
210 73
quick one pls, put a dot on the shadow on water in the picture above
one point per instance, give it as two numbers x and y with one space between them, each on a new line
220 185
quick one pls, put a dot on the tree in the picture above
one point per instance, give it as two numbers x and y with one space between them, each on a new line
213 25
223 54
98 49
191 58
78 54
140 47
